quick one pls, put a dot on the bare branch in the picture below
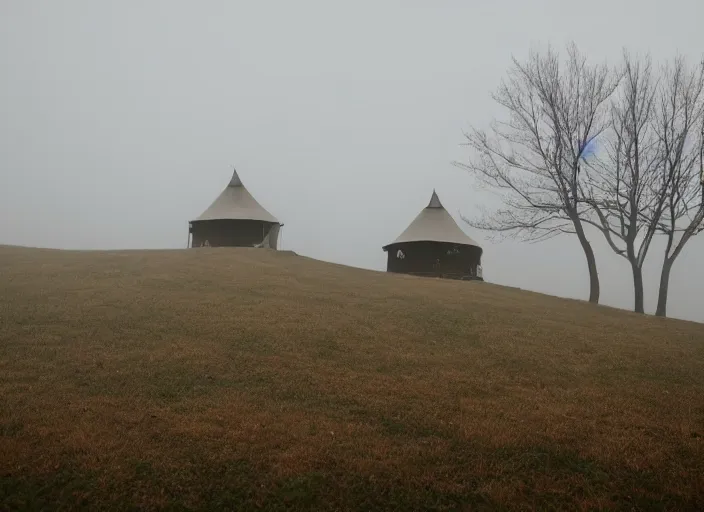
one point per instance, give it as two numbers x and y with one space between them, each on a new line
532 157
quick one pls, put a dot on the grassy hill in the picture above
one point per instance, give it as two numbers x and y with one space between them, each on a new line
238 378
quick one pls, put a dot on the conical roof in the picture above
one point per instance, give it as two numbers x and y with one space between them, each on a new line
434 224
235 202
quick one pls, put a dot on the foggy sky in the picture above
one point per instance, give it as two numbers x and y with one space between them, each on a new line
120 121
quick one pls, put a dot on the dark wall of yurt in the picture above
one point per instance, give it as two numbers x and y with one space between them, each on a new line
435 259
228 233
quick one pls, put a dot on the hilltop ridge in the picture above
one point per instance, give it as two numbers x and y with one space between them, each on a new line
219 377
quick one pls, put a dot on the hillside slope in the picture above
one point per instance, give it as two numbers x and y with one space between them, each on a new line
244 378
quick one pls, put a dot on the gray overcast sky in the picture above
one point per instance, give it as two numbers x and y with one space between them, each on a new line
119 121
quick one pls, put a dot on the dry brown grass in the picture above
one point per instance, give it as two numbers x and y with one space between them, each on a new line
235 378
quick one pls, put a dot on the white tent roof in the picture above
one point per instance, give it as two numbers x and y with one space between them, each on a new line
434 224
235 202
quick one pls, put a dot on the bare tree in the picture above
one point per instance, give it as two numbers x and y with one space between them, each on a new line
626 187
533 159
680 127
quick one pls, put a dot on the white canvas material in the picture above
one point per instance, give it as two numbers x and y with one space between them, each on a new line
235 202
434 224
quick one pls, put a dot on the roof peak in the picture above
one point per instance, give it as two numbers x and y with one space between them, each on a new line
235 181
236 203
434 201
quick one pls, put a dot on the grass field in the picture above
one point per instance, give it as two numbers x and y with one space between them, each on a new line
243 379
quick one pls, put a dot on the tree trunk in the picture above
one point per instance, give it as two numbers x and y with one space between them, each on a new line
594 289
664 285
638 288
